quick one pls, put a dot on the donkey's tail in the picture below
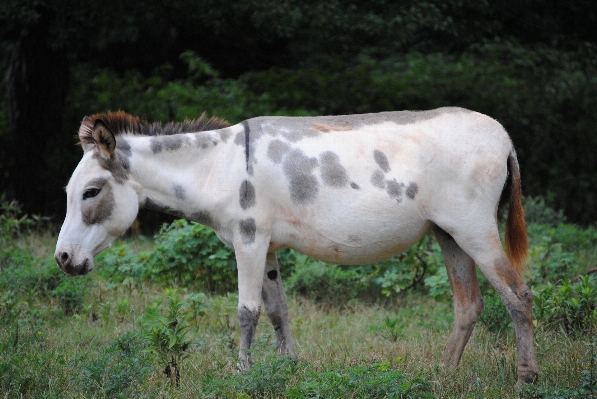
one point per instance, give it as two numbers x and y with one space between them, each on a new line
516 228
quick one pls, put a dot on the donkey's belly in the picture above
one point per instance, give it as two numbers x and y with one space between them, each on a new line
356 242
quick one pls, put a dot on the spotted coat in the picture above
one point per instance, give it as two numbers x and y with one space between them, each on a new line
343 189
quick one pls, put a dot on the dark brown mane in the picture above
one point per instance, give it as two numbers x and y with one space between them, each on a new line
120 122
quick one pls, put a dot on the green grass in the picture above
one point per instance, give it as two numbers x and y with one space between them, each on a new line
357 349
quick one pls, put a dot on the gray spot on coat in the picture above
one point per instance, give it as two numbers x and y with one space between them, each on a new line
123 145
118 165
247 320
247 230
355 186
168 143
247 195
203 140
299 170
394 189
98 209
239 139
381 160
298 135
332 172
412 190
179 191
277 149
378 179
225 134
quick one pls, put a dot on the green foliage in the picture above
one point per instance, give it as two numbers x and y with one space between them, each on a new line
266 379
391 329
325 283
536 211
21 365
588 385
114 369
495 317
439 284
187 252
409 269
166 336
159 98
554 251
71 293
361 382
571 307
37 279
13 225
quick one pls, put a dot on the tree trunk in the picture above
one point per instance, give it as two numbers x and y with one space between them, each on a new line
36 90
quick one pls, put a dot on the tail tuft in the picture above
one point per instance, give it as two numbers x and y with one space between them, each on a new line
517 246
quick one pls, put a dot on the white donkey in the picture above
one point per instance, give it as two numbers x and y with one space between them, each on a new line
344 189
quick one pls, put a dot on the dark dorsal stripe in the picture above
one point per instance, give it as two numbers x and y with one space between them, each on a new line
120 122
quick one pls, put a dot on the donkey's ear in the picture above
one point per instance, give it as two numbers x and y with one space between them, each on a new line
85 138
104 139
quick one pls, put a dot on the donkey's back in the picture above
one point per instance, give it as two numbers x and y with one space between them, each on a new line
362 188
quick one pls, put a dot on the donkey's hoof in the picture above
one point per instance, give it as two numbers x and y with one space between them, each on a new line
526 377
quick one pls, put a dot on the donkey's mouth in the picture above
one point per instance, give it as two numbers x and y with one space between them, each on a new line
77 270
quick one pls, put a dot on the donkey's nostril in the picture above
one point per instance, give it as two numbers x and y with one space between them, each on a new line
62 259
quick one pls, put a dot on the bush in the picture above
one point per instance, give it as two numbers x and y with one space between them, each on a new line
495 317
570 306
116 369
555 251
190 252
186 253
361 382
538 212
409 270
71 293
325 283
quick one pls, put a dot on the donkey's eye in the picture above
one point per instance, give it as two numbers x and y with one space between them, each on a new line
90 193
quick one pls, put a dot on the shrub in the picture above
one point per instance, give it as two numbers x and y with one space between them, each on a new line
267 378
361 382
190 252
408 270
495 317
116 368
326 283
554 251
186 253
569 306
166 336
538 212
71 293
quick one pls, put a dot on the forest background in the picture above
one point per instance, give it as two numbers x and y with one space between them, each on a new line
529 64
167 301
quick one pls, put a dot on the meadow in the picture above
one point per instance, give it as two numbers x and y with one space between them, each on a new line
157 318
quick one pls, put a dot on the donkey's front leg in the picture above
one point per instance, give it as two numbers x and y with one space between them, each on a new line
250 249
276 305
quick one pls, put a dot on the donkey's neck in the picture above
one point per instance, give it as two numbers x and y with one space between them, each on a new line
185 174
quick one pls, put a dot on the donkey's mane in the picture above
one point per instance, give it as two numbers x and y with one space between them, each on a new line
120 122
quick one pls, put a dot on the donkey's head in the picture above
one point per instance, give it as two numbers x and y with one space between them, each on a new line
102 201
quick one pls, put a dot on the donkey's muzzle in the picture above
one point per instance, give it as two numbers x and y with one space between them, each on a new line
65 261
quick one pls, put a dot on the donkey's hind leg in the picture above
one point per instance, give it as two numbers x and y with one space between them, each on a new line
276 305
468 302
487 252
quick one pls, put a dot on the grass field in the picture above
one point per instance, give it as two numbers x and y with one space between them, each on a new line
87 337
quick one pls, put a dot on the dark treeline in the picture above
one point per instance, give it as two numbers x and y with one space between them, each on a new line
529 64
